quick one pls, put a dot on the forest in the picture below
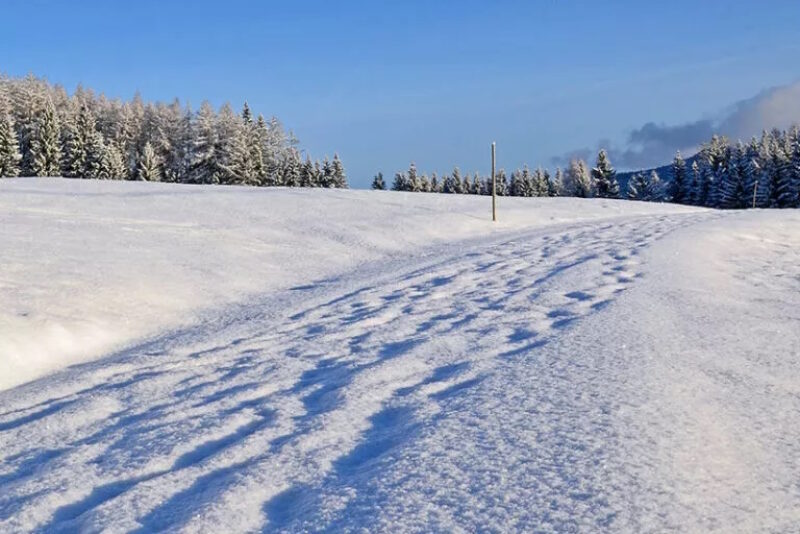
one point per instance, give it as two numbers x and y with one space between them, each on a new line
44 131
763 173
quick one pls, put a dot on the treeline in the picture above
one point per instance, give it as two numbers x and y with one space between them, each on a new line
765 173
46 132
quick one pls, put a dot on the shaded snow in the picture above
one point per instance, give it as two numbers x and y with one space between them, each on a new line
635 373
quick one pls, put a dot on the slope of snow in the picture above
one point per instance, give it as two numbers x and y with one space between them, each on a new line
89 266
635 373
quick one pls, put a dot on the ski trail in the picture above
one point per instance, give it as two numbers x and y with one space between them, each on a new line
283 417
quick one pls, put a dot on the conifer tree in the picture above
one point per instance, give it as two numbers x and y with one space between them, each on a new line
203 157
254 159
475 188
291 170
785 191
435 185
645 187
378 183
149 164
339 176
559 187
754 182
452 183
541 183
579 181
528 181
501 183
680 183
693 191
45 142
552 188
112 165
83 148
795 167
399 183
605 177
233 158
412 180
516 187
733 194
10 156
307 178
424 184
706 184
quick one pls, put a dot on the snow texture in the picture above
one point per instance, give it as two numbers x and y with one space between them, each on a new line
369 361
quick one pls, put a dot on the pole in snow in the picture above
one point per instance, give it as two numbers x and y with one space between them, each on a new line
494 187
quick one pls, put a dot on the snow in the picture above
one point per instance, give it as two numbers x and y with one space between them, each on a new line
90 266
393 362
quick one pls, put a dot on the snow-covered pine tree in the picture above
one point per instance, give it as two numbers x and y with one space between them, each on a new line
10 156
326 178
233 155
693 191
399 183
307 178
149 164
705 184
516 187
605 177
255 150
637 186
436 187
796 166
339 176
424 184
452 183
559 187
645 187
112 164
203 156
268 166
785 191
247 115
475 185
45 149
80 154
291 169
412 180
501 183
733 194
680 183
579 180
552 189
754 180
527 182
541 183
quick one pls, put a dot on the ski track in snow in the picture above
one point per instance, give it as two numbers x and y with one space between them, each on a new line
415 398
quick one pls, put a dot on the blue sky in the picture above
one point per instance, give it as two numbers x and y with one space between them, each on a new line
384 83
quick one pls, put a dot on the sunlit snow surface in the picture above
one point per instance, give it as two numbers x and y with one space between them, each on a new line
331 360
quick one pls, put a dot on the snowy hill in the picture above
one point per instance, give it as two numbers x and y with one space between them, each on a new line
91 265
288 360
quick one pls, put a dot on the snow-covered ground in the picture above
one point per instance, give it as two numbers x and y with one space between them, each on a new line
88 266
320 360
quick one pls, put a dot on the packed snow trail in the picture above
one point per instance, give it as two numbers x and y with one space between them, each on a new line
454 392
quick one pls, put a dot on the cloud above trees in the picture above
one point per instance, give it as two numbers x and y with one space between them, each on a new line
655 144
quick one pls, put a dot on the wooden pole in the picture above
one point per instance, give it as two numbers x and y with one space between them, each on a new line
494 187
